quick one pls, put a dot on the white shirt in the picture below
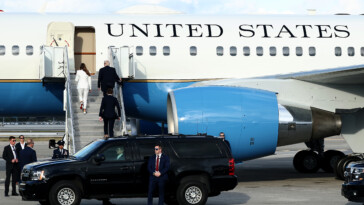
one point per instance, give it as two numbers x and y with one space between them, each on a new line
22 145
84 81
13 150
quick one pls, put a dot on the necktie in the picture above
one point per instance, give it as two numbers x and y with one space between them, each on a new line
157 166
14 152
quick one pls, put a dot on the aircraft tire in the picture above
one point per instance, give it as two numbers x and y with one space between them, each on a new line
306 161
330 160
341 166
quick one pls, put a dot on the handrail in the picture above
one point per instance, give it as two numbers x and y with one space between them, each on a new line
69 111
118 90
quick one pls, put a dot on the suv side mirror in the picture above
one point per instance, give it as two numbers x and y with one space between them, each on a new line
52 144
99 158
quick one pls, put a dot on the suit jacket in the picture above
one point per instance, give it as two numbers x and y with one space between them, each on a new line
107 78
163 166
107 108
18 148
57 154
83 80
8 156
27 156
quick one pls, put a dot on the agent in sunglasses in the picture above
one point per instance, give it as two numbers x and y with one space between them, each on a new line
11 158
21 144
222 136
158 167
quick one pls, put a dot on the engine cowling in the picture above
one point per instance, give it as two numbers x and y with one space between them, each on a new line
248 117
253 121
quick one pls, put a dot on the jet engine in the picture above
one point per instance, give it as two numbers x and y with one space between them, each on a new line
253 121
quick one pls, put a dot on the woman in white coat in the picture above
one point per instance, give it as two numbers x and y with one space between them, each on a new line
83 79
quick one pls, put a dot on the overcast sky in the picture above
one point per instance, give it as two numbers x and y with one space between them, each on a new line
189 6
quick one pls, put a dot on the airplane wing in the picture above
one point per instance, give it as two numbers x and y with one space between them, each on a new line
342 75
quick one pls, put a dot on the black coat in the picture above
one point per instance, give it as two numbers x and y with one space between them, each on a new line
27 156
107 108
57 154
18 147
8 157
107 78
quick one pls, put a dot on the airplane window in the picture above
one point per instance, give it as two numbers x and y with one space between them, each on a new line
337 51
219 51
351 51
299 51
139 50
166 50
29 50
15 50
193 51
272 51
152 50
2 50
312 51
285 51
246 51
233 51
259 51
362 51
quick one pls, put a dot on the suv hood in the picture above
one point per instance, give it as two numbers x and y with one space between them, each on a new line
49 162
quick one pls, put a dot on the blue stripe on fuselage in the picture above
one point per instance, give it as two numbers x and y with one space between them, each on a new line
31 99
148 100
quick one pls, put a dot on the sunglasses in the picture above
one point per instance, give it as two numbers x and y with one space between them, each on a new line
13 140
222 135
156 148
21 138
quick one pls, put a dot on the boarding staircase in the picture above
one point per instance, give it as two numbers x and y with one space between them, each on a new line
81 129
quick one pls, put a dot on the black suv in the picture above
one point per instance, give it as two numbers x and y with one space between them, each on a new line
200 166
353 187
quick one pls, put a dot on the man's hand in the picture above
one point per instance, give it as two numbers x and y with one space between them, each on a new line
100 119
157 174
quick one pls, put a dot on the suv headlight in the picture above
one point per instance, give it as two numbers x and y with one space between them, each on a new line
37 175
357 173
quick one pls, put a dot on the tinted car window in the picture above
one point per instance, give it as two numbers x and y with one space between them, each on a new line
146 149
116 152
196 149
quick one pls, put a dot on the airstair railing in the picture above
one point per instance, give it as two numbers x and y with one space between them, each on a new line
114 59
70 131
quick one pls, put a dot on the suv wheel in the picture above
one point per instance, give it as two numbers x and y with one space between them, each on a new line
65 193
192 192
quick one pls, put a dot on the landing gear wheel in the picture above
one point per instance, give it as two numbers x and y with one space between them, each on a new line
342 164
192 192
306 161
65 193
331 158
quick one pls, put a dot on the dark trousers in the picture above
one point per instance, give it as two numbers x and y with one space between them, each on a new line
109 127
153 183
13 171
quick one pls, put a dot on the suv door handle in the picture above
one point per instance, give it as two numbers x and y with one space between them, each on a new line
125 168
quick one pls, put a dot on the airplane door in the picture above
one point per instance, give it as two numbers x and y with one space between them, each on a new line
62 34
85 48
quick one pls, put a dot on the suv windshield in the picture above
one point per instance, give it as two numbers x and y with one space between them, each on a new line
88 149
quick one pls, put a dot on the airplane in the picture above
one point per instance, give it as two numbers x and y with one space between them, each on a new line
266 81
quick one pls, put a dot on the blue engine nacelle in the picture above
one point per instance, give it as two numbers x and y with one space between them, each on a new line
248 117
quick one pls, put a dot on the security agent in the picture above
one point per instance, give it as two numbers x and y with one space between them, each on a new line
11 158
158 167
222 136
60 152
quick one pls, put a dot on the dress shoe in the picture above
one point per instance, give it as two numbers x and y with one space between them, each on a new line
15 194
6 195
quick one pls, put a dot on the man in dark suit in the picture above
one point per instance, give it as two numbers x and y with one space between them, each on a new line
158 167
27 155
107 77
107 112
11 158
19 147
60 152
222 136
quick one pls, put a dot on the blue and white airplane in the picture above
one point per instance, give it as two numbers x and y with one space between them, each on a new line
265 81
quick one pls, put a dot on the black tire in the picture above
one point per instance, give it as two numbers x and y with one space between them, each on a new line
306 161
331 158
65 193
192 191
342 164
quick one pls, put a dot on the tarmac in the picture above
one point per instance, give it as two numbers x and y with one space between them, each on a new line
269 180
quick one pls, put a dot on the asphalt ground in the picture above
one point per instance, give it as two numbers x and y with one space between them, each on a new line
268 180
